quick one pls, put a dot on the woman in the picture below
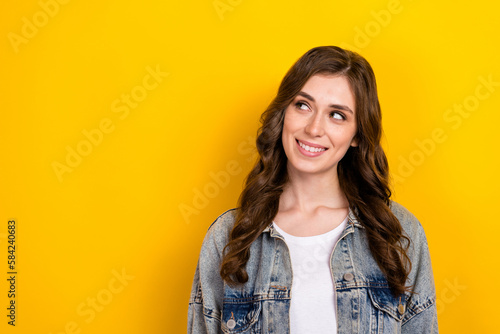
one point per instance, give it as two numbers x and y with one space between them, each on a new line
316 245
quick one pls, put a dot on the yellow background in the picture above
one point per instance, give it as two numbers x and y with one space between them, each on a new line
120 209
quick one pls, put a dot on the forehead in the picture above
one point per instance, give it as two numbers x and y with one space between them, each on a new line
330 89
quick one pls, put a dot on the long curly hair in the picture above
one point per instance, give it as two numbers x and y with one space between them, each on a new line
363 171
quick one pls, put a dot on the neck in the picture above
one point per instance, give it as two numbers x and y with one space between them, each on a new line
307 192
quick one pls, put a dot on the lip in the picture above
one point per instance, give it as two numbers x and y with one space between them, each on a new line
311 144
307 153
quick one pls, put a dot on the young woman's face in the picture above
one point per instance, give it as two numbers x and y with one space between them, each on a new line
319 125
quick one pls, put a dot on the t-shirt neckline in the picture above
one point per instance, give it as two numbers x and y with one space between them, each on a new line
327 235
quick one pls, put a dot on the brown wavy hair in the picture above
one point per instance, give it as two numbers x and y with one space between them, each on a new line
363 171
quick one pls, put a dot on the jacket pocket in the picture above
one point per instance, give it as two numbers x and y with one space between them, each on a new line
383 300
240 316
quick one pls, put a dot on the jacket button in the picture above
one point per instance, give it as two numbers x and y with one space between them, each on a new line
348 276
401 308
231 324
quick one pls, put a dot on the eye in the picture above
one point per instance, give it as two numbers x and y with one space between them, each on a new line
337 115
301 106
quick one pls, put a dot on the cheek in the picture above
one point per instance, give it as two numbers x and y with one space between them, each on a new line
342 136
288 135
287 139
292 123
287 128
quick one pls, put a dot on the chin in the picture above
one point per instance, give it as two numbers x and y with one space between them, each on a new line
306 168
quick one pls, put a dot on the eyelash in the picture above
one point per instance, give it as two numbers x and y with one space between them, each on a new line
336 112
298 104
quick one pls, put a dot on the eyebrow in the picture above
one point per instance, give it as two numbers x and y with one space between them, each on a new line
336 106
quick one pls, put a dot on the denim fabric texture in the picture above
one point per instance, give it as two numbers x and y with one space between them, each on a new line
363 299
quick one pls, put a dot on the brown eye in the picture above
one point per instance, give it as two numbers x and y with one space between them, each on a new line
337 115
301 105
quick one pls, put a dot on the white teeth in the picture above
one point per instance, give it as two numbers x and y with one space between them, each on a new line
311 149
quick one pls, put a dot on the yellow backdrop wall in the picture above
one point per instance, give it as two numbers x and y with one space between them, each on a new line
127 127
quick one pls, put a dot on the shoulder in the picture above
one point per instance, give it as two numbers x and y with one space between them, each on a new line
218 232
413 229
400 211
418 250
224 223
410 224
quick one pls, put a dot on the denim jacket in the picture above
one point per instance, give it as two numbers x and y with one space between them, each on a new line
364 302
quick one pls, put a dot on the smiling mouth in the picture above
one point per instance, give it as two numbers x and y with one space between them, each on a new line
310 148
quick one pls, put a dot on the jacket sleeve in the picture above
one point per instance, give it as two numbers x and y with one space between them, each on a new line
420 316
205 303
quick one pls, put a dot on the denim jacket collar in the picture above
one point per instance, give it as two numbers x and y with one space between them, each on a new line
352 222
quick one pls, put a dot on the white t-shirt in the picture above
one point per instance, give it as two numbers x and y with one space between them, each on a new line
312 308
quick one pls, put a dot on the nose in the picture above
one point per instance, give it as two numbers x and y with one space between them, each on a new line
315 125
